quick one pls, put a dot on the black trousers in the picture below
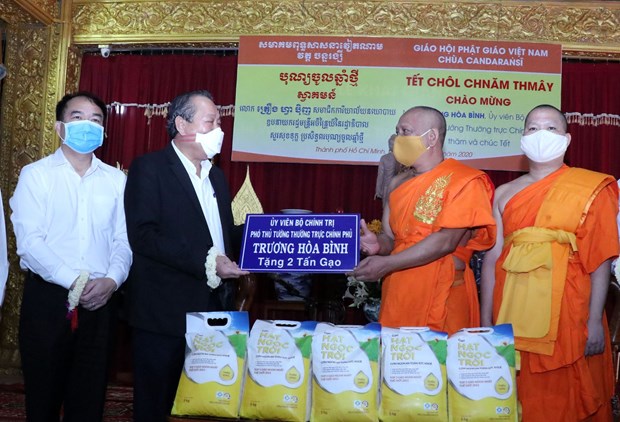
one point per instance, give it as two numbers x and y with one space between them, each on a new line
157 364
62 369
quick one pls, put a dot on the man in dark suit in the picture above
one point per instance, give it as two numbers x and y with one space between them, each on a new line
180 228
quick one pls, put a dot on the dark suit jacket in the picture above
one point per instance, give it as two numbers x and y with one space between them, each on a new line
170 240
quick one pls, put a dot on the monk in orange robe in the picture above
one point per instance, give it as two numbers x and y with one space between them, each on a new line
548 275
431 226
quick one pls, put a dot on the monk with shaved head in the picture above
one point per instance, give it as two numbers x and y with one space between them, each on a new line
548 275
432 223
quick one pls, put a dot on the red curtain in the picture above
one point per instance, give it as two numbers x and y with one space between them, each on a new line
593 87
156 79
151 79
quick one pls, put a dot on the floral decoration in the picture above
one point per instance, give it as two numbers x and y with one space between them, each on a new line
213 280
361 292
73 298
364 292
375 226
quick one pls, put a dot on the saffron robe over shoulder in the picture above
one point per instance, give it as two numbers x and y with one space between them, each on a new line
452 195
564 384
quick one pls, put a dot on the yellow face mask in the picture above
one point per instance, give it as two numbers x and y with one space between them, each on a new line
407 149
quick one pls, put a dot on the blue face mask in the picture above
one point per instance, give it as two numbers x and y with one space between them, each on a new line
83 136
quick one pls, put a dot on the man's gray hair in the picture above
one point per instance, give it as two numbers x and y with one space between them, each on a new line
183 106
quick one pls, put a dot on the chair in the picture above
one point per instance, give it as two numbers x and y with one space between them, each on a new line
246 289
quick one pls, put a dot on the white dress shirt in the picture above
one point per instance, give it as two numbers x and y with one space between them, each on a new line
65 223
4 262
206 197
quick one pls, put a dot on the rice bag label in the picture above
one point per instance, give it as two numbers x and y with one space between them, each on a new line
344 365
278 375
482 375
414 382
212 358
410 365
478 371
277 359
215 356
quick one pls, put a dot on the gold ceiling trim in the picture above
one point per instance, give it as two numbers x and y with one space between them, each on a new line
13 14
578 26
37 11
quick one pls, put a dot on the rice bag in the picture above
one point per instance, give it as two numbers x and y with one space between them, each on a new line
481 374
277 382
211 382
345 368
413 377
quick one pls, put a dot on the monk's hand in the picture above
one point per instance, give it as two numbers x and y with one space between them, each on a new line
369 243
225 268
372 268
596 338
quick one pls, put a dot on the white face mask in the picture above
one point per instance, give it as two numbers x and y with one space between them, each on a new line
211 142
543 146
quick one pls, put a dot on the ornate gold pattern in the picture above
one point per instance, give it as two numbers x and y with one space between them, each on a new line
574 25
50 6
27 115
430 204
54 88
245 201
31 11
43 9
25 138
13 14
74 60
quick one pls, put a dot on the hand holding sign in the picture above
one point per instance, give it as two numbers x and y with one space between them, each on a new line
225 268
368 240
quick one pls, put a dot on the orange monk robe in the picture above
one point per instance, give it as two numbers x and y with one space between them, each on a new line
452 195
566 386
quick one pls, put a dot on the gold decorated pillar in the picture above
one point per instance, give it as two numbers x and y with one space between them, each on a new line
37 43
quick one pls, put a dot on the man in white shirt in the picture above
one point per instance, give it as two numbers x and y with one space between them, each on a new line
181 229
69 222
